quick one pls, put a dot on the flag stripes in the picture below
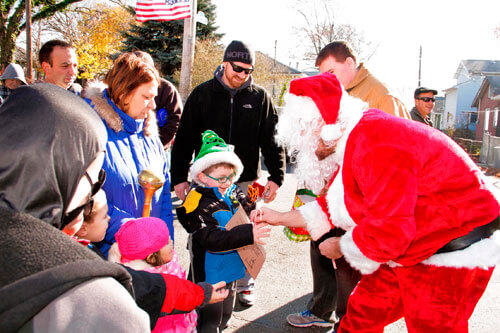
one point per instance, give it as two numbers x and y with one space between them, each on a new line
162 10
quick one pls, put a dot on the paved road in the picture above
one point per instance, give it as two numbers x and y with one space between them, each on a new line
285 283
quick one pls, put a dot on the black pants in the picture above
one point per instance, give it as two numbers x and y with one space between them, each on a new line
331 287
213 318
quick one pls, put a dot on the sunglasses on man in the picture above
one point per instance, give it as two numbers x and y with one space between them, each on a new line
89 205
239 69
427 99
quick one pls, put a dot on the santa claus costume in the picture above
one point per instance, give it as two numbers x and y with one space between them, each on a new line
422 225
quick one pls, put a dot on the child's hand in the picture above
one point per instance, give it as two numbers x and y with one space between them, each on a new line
219 293
260 231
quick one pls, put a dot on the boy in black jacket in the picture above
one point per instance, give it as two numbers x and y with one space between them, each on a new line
205 213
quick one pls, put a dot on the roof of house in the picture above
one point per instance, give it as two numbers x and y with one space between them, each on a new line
493 81
280 68
478 67
311 71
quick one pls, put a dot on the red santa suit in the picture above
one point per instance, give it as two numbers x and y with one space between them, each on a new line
404 191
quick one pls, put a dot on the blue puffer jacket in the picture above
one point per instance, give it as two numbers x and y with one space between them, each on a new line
133 145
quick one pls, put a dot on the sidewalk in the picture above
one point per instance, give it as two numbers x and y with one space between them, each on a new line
285 283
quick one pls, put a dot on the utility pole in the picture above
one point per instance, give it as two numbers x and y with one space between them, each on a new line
274 68
188 43
29 61
419 65
275 48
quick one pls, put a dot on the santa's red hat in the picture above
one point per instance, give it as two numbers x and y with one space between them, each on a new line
325 91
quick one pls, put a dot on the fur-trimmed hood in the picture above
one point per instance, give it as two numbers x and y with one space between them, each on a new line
94 92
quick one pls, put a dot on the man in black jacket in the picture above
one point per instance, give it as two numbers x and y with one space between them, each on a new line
242 114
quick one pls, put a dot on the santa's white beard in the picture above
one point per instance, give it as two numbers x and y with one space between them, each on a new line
297 131
310 172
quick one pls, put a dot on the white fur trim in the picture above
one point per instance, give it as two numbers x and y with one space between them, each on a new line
138 265
331 132
213 158
355 257
485 253
317 223
336 204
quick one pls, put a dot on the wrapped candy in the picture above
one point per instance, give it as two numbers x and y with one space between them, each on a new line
302 196
255 192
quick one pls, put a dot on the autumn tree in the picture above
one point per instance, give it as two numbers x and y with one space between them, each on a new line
163 39
208 55
100 37
95 30
12 21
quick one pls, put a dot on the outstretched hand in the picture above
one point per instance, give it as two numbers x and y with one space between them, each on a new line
265 215
219 293
260 231
291 218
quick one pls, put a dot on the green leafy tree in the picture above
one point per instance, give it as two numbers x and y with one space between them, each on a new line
163 39
12 21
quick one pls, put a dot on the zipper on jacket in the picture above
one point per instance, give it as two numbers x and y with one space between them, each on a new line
230 119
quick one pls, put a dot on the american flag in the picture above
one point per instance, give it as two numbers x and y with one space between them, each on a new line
166 10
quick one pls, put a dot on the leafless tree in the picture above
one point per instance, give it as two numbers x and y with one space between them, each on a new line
320 27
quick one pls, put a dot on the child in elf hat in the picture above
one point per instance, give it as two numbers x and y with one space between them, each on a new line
208 207
145 244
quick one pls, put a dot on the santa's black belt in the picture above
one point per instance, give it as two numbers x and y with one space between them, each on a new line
472 237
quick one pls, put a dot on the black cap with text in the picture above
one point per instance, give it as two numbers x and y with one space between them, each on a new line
238 51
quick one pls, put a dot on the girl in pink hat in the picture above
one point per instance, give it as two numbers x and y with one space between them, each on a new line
145 244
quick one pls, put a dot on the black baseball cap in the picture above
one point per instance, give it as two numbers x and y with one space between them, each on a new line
421 90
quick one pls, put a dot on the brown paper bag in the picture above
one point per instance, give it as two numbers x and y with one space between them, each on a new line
253 256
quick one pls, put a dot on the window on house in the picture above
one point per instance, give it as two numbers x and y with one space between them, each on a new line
473 118
495 117
486 119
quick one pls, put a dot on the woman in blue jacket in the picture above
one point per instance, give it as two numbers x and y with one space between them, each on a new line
125 102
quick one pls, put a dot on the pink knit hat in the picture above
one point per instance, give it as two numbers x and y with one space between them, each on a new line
140 237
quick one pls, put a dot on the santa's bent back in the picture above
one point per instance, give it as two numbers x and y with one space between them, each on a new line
422 225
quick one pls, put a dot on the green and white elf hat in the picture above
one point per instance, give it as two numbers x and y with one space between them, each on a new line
213 151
